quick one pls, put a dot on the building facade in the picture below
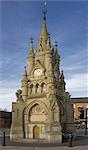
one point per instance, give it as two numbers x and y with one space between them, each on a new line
80 104
43 108
5 119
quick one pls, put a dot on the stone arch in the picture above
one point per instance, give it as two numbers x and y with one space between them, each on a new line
55 109
37 113
30 105
34 102
60 106
26 114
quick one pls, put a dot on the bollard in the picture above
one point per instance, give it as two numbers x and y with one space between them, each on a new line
70 140
4 139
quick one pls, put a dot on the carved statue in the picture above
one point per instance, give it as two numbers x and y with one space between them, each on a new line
19 94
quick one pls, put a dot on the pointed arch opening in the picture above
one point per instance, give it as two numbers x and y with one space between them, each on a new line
31 88
37 88
43 87
36 132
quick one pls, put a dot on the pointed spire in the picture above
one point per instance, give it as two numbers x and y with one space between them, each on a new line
62 76
31 46
25 74
44 33
62 80
57 57
44 10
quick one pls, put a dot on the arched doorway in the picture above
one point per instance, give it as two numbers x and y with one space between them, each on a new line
36 132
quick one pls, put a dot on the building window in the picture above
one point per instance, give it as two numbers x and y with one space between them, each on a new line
43 87
37 88
31 88
81 110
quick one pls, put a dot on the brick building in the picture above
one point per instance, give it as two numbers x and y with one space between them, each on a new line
5 119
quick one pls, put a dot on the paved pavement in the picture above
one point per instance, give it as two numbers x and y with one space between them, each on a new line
44 148
80 142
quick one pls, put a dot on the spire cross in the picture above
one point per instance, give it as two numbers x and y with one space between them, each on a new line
44 10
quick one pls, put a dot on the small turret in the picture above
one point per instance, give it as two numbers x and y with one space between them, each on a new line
62 80
57 56
24 85
25 74
56 62
62 76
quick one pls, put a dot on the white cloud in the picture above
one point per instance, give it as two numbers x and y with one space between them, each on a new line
78 84
74 67
76 63
7 93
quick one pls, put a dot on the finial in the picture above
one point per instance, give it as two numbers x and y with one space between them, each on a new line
31 40
62 75
31 44
57 56
24 73
56 44
25 67
44 11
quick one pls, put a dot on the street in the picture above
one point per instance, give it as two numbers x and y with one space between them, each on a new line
79 143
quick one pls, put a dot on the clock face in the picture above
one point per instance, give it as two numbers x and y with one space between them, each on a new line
38 72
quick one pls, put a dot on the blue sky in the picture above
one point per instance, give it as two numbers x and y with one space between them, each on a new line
67 22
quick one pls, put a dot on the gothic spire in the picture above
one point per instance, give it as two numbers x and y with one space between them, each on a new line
44 33
44 11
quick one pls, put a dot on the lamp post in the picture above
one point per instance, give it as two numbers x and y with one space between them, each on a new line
86 121
4 139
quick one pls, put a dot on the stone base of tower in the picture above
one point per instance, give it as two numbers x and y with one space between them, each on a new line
54 134
16 133
54 138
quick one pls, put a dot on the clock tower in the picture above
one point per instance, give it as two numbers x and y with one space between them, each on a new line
43 109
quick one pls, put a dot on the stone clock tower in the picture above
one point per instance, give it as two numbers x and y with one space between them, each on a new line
43 109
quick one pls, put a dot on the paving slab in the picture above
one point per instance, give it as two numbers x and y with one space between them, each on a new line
44 148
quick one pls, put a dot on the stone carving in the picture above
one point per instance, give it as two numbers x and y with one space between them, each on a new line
19 95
